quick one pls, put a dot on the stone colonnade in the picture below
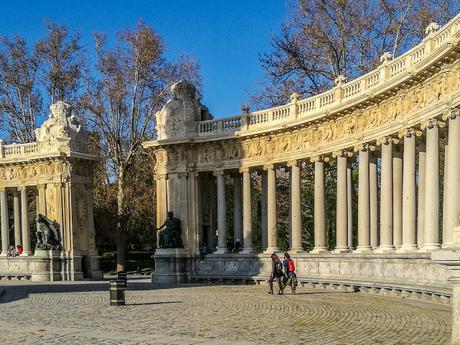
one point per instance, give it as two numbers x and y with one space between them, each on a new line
20 220
408 193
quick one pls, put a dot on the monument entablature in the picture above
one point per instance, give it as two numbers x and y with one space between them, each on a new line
401 93
52 175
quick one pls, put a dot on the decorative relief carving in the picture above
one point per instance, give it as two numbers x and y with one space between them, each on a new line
394 111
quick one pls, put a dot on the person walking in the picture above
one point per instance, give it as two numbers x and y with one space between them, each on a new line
289 269
276 274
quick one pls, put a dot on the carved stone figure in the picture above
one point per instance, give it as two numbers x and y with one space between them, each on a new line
47 234
169 234
181 113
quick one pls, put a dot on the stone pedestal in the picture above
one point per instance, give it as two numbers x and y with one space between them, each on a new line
173 266
451 259
45 265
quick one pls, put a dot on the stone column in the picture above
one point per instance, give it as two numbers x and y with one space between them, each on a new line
247 219
25 222
409 207
4 222
221 209
373 191
349 205
431 236
364 243
397 196
17 219
342 223
237 209
421 196
452 186
296 215
162 198
319 207
41 207
263 213
271 208
444 195
386 196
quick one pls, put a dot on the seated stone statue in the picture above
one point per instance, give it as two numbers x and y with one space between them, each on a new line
169 234
47 234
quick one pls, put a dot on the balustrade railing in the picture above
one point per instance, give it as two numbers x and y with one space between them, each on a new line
396 68
16 150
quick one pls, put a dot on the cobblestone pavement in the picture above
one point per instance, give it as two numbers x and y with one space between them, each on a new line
79 313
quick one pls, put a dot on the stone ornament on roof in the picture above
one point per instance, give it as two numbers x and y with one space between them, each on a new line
179 116
62 131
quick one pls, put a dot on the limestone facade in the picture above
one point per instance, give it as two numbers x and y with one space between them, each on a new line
52 176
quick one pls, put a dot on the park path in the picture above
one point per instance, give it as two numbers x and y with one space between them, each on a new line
79 313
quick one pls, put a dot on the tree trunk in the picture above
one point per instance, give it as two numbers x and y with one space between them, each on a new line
121 245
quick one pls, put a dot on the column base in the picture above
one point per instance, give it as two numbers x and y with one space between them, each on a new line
341 250
319 250
26 254
428 247
271 250
247 251
448 245
386 248
221 251
363 249
296 250
406 248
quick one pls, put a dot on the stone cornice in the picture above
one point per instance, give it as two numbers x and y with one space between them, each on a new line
432 55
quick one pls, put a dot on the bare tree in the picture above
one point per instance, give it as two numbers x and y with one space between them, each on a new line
20 100
132 84
62 62
50 71
327 38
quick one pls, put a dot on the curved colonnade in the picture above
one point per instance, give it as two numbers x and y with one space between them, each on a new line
396 122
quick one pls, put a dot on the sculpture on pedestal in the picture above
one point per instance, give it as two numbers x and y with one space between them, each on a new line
169 234
47 234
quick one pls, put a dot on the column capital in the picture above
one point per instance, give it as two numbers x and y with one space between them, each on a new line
243 169
431 123
21 188
2 189
320 158
342 153
218 172
409 132
268 167
159 177
41 186
292 163
365 147
386 140
451 114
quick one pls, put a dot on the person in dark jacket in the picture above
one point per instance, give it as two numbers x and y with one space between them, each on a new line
277 273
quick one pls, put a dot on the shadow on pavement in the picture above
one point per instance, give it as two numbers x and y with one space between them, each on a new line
154 303
11 291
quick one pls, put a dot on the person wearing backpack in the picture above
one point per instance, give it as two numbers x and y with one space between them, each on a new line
277 273
289 269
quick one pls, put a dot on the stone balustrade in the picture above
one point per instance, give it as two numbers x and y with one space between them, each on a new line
372 83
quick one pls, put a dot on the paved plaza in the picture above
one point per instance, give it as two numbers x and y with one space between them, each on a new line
79 313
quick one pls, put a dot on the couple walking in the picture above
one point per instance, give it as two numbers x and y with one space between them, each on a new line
283 273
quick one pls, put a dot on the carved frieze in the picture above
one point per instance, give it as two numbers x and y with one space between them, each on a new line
394 112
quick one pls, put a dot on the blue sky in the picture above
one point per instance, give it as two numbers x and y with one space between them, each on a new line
225 37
